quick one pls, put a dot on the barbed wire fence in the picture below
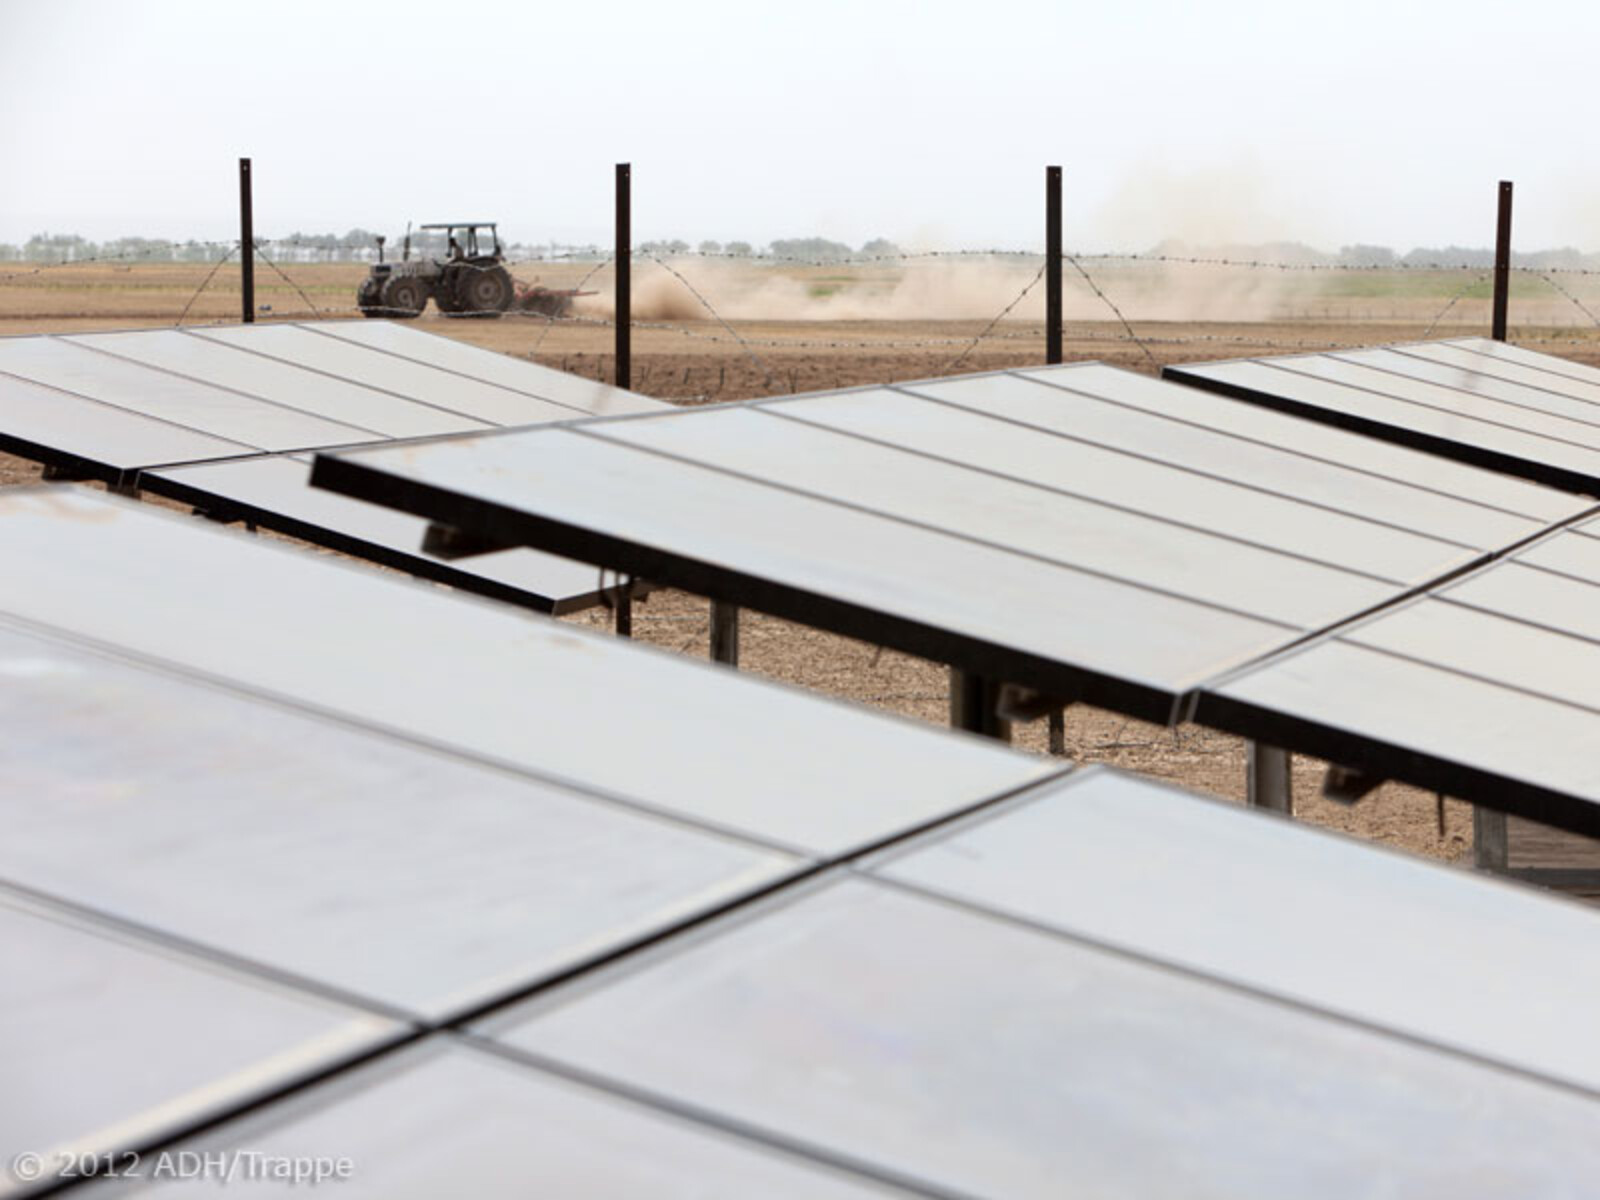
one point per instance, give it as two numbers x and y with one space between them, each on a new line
1104 276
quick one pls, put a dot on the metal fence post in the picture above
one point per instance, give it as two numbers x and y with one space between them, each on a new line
1502 263
624 276
1052 264
247 245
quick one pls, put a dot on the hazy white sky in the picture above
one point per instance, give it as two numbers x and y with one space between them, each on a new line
930 123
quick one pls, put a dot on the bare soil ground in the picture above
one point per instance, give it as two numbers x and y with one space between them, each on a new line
704 360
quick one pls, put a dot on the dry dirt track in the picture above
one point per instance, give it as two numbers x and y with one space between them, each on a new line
700 361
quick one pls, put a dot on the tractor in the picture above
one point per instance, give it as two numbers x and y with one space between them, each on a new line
471 281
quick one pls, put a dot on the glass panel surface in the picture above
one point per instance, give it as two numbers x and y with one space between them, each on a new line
1431 711
61 364
519 374
486 679
1017 516
881 567
450 1120
995 1060
419 881
1457 425
109 1041
309 391
1502 972
411 380
1477 383
1279 522
1288 456
112 437
279 489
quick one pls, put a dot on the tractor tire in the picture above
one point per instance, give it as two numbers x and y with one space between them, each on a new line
445 298
369 297
404 297
483 291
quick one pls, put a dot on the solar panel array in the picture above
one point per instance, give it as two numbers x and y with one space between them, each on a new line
1531 415
252 811
142 408
1486 686
1082 530
1011 1004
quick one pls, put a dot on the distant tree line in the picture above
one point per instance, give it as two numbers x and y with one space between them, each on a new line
360 245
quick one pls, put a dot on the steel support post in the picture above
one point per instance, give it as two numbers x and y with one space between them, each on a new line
1268 782
725 633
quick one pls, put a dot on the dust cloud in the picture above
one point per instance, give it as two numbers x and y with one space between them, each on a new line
965 289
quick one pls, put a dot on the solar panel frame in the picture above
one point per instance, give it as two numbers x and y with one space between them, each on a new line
398 1122
253 619
273 840
1374 934
1512 734
231 490
647 544
195 1040
1497 434
79 437
850 1016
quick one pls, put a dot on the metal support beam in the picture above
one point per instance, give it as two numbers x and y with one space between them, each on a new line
622 609
1058 732
1491 847
247 245
624 277
975 705
725 633
1052 264
1268 779
1502 264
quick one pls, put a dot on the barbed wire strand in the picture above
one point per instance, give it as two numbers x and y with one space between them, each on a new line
1095 288
204 283
998 317
315 311
754 357
1583 308
1451 303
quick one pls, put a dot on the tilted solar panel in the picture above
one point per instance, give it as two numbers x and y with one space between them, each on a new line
1486 688
1530 415
1084 531
180 411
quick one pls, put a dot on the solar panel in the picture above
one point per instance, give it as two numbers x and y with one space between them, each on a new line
167 409
452 1119
1385 939
974 1054
418 381
519 375
289 384
1534 416
272 491
133 388
1084 531
111 1041
367 866
545 700
1484 688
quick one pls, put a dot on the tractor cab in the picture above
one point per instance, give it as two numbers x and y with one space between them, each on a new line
473 241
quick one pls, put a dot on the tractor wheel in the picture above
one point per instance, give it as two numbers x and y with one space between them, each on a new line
404 296
369 297
445 298
483 291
